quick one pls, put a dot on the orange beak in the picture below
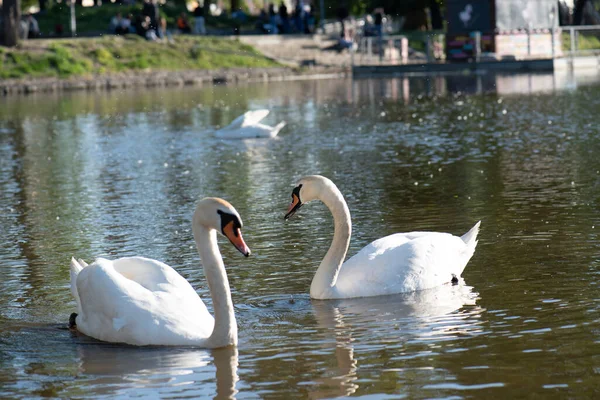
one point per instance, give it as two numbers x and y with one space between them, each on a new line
294 206
235 237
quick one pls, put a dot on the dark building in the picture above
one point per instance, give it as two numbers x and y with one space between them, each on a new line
514 28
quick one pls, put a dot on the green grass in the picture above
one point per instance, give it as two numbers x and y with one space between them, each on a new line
584 41
90 56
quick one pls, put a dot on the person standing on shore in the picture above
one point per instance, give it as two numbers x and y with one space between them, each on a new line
182 24
379 30
150 10
379 22
199 25
273 19
284 20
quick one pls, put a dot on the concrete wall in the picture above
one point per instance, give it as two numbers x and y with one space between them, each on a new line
578 63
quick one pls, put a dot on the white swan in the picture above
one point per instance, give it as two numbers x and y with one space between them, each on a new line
248 126
141 301
399 263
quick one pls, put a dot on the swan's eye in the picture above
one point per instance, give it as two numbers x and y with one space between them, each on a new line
296 202
226 219
296 192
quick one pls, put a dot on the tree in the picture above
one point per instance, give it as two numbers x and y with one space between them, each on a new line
11 21
578 12
437 21
392 7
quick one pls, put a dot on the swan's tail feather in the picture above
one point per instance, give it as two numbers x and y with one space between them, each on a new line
277 128
76 267
470 238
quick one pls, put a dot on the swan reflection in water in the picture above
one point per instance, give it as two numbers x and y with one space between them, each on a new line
442 313
185 371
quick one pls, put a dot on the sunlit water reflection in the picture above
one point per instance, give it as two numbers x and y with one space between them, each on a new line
117 173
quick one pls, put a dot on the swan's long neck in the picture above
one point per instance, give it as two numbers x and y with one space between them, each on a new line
225 330
325 278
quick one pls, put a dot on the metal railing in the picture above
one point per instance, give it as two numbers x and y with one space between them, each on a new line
333 28
394 49
379 49
582 40
564 41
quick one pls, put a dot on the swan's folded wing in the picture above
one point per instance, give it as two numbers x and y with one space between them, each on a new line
401 263
151 274
116 308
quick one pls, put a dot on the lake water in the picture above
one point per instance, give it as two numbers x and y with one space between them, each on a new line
117 173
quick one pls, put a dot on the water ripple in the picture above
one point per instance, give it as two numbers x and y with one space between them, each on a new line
115 174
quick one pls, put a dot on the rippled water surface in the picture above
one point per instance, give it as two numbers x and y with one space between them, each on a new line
117 173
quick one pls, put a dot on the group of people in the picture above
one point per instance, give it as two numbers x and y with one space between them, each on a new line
151 25
28 27
301 20
143 25
371 26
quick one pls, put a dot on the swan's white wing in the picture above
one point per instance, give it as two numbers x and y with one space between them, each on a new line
151 274
236 123
403 262
248 118
271 131
140 301
248 126
254 117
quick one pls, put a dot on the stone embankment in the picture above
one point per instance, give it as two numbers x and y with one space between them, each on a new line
167 78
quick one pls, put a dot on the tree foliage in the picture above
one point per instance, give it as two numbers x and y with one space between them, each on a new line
393 7
413 9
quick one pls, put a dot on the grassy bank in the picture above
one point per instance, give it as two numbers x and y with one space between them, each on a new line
90 56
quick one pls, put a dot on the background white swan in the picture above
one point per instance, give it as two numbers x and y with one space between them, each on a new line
399 263
248 126
141 301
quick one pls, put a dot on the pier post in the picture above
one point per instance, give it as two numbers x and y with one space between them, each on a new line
477 45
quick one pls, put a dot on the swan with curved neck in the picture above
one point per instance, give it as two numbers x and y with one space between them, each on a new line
141 301
398 263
